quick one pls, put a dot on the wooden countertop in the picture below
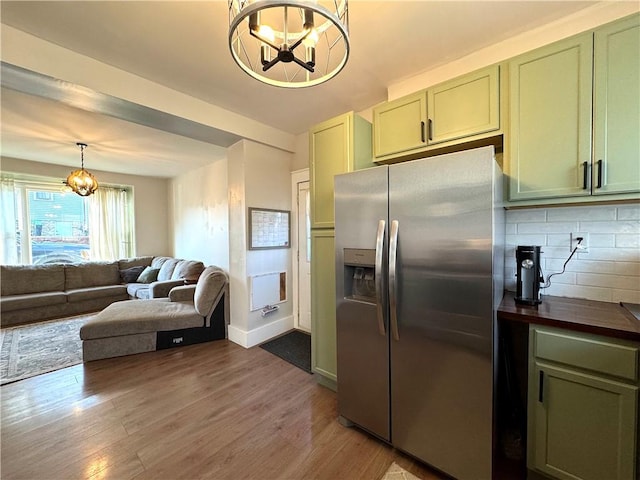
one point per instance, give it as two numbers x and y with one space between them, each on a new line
600 318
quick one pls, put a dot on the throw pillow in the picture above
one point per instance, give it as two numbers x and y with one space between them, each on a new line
148 275
130 275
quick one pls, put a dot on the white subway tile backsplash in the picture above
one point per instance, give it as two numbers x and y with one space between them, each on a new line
629 212
555 227
612 254
623 226
528 215
610 281
527 240
627 240
601 240
580 291
582 213
609 272
626 268
631 296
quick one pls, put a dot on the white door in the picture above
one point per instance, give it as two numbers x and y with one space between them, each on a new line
304 258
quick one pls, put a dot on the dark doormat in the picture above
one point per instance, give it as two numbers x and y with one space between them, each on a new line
294 347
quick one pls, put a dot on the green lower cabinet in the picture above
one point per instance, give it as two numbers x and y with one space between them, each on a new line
584 426
323 304
582 417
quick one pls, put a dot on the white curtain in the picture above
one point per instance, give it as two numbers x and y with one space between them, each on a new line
109 220
9 244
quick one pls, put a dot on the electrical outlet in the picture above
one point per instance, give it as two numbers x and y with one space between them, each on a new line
583 246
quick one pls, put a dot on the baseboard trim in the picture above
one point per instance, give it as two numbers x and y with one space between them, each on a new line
251 338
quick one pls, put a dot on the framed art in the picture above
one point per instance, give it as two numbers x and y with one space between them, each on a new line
269 228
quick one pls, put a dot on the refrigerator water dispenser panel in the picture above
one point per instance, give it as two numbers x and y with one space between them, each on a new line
359 274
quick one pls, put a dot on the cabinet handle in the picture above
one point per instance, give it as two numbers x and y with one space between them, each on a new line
422 134
585 173
430 129
599 184
541 386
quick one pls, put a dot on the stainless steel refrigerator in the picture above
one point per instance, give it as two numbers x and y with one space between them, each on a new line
419 276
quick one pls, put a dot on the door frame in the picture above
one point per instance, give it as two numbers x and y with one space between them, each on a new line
297 176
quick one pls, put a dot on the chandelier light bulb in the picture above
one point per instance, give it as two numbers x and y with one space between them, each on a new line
289 43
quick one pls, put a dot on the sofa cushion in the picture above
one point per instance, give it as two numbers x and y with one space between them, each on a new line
125 263
187 270
209 285
31 300
90 293
131 274
167 268
133 317
92 274
157 262
19 279
133 289
148 275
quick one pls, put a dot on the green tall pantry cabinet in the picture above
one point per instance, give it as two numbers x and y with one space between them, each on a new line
339 145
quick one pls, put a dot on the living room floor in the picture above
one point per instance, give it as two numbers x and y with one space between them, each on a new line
214 410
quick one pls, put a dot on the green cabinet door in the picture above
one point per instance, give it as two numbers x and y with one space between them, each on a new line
328 155
583 426
400 125
550 120
323 304
617 108
339 145
463 107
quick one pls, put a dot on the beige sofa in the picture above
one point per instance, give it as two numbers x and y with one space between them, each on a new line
192 314
30 293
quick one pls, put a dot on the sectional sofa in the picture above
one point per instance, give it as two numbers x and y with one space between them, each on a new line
30 293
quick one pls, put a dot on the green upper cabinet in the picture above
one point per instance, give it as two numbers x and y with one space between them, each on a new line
400 126
616 141
446 114
463 107
550 115
575 118
339 145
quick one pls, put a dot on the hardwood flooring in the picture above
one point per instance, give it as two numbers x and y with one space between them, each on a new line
214 411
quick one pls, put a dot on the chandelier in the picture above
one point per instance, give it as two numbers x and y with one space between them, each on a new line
81 181
289 43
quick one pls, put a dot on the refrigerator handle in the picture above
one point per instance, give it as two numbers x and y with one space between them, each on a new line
393 250
378 276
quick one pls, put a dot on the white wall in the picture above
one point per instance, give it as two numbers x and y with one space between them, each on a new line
609 272
258 176
150 200
587 19
199 215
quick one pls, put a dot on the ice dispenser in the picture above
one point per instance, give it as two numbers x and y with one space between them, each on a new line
359 274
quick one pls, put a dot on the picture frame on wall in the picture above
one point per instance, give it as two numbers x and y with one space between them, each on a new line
269 228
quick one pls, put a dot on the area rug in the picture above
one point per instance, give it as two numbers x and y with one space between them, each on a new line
396 472
30 350
294 347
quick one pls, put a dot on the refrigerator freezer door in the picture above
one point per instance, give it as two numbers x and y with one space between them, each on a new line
362 324
441 361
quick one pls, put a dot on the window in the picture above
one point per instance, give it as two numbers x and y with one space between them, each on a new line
52 226
58 227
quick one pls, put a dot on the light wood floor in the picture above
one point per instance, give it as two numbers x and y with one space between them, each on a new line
212 411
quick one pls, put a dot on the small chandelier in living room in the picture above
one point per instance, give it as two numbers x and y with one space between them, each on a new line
81 181
289 43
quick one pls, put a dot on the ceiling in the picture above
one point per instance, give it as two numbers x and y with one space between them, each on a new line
183 45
